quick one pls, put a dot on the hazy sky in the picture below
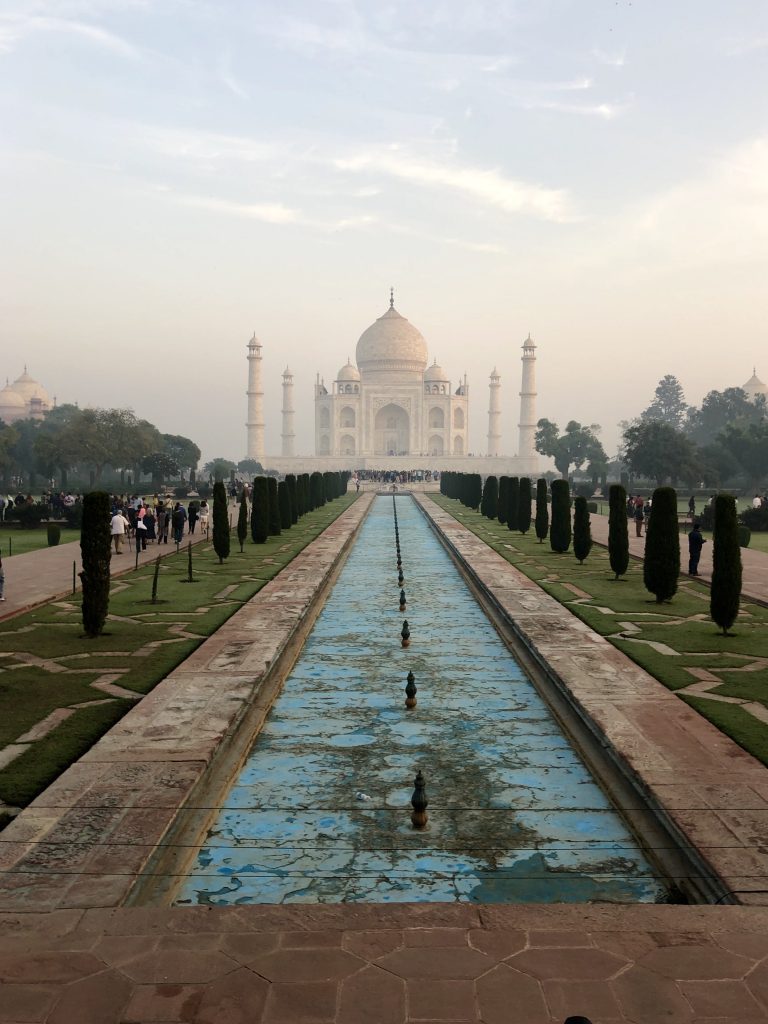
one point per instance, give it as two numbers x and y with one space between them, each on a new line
176 174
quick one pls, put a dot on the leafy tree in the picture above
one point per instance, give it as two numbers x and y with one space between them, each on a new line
542 510
726 564
582 532
668 405
658 451
219 469
251 467
242 520
618 532
274 508
284 504
162 467
95 542
8 438
182 450
513 502
503 499
661 566
749 446
524 505
560 529
576 446
489 503
720 409
260 510
220 521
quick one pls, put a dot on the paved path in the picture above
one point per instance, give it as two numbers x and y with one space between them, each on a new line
754 563
363 964
41 575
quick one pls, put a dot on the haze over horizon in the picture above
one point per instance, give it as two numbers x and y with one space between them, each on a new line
180 175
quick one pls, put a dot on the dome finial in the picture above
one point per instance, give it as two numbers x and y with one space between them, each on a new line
391 298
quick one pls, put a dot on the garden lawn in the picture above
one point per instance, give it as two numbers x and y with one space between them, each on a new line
18 542
676 642
46 663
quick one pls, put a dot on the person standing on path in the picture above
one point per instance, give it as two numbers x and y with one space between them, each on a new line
695 544
639 515
204 515
178 519
192 514
117 527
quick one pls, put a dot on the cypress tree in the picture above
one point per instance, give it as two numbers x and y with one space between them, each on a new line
661 565
513 502
582 533
274 508
476 491
542 510
503 500
726 564
220 521
489 504
524 505
305 490
260 510
316 489
95 541
284 504
293 500
242 520
560 530
618 534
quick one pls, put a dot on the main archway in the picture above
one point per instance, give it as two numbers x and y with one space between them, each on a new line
391 431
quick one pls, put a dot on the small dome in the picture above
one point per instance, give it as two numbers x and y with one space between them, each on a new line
349 372
754 386
391 345
435 372
30 389
12 405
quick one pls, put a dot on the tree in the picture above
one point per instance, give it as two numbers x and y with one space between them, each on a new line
284 504
291 485
618 533
524 505
489 503
668 405
560 529
749 446
260 510
721 409
300 500
184 452
220 521
659 452
316 490
503 499
475 490
513 502
250 467
162 467
274 508
582 533
661 566
219 469
542 510
242 520
575 447
726 564
95 542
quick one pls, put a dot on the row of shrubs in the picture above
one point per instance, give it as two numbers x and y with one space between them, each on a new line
508 499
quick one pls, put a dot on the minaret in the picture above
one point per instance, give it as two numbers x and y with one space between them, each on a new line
526 448
288 413
255 424
494 414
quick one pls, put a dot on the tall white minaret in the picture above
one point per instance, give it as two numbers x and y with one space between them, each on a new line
289 434
255 424
494 414
526 448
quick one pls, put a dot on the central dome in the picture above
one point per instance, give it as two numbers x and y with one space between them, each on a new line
391 346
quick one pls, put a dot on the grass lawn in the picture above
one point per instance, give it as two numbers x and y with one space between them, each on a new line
46 663
17 542
682 629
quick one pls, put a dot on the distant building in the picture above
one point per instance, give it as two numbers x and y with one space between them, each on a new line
755 386
25 399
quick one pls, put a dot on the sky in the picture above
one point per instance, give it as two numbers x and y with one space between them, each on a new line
177 174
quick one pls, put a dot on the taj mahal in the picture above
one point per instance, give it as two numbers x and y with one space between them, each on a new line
391 409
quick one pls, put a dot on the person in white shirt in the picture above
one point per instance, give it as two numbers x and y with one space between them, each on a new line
117 527
757 501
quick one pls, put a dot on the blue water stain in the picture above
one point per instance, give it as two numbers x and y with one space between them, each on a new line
514 814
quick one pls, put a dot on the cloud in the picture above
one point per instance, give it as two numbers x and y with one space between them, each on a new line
269 213
15 28
608 111
613 60
228 79
738 47
489 187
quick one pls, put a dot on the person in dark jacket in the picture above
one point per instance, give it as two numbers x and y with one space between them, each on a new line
178 519
695 544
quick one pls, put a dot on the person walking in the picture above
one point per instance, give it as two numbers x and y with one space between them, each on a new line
117 527
639 516
695 544
204 515
178 519
692 507
193 515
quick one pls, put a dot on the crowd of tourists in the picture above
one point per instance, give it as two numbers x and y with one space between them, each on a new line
153 522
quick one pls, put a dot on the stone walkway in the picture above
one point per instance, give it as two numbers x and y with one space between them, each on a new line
754 563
